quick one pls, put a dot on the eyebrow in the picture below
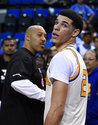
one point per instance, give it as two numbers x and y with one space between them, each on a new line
40 32
63 21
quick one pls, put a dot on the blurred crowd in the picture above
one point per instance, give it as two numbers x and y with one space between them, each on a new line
86 42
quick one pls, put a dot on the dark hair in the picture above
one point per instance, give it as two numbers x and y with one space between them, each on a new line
9 38
77 20
46 51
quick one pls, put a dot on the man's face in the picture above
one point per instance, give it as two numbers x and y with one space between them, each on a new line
87 38
90 61
40 62
9 47
62 31
37 40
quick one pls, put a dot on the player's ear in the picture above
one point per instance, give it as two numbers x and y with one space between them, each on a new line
76 32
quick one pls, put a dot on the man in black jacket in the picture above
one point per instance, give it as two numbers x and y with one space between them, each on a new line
23 93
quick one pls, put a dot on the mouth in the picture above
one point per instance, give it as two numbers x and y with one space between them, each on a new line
42 45
54 35
10 51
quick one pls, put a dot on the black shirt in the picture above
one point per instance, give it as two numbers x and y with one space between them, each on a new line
16 108
3 69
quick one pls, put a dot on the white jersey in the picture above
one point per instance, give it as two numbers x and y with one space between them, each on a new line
68 66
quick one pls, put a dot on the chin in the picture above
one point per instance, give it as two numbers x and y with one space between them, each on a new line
54 41
41 50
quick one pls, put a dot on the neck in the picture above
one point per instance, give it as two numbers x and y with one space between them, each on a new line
80 4
91 70
59 48
6 58
29 48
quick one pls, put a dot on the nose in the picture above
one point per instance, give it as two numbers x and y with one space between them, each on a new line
86 61
56 27
44 38
9 47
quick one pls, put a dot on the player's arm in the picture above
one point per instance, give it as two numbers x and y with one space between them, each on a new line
59 94
19 78
92 14
29 89
91 17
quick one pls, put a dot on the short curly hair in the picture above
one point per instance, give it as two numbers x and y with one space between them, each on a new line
77 20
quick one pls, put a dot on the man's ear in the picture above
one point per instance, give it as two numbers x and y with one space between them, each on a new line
27 36
76 32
